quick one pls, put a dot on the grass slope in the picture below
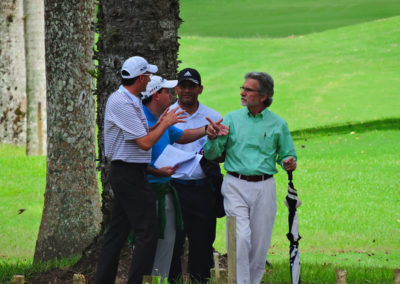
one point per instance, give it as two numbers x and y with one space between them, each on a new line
350 186
342 75
277 18
22 185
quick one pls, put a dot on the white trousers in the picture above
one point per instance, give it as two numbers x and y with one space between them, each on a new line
254 206
165 247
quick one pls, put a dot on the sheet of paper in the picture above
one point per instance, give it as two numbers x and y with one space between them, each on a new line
172 156
189 166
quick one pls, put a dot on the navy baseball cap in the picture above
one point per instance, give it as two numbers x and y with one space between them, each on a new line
189 74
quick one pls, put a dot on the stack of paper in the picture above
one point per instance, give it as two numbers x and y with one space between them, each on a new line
171 156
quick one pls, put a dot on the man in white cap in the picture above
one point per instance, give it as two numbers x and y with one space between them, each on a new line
127 143
156 99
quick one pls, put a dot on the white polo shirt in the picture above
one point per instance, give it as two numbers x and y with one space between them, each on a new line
124 121
195 120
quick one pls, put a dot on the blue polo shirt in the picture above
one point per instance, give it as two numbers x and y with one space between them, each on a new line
169 137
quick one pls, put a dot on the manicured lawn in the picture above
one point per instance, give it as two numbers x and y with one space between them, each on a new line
336 83
343 75
350 188
349 185
277 18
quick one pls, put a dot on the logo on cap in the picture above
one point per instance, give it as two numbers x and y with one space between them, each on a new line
187 74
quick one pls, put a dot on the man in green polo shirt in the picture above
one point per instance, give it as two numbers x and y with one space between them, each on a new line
258 139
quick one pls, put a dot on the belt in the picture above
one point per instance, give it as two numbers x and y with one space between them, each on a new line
195 182
251 178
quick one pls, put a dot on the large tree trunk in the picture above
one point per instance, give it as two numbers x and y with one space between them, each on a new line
36 129
71 214
128 28
12 73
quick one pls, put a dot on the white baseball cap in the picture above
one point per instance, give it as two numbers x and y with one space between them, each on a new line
135 66
156 83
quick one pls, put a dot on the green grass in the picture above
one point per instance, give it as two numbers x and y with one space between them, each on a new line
22 185
277 18
336 83
27 268
349 184
350 187
334 77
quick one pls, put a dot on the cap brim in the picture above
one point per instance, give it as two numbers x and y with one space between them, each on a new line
169 84
190 79
152 68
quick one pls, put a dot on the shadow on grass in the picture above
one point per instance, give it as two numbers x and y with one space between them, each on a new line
358 127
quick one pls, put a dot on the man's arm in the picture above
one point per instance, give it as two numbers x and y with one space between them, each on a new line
286 154
164 171
217 134
214 129
190 135
172 117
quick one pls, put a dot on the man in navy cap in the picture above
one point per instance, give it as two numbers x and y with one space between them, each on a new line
195 192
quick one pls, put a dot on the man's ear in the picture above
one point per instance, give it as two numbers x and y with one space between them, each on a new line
200 89
264 97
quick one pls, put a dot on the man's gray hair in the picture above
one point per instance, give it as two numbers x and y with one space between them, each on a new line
266 85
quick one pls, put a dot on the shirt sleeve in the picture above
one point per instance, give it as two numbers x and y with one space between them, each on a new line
214 149
126 117
174 134
285 145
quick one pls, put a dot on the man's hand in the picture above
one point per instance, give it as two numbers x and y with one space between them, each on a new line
163 172
290 164
171 117
215 128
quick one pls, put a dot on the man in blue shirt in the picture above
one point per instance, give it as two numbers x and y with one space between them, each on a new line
156 100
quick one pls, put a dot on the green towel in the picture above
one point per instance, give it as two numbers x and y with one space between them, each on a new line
161 189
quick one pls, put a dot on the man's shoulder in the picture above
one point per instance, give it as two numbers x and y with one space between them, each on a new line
276 116
237 112
207 111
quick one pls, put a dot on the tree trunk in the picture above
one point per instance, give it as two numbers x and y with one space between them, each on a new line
36 128
128 28
12 73
71 214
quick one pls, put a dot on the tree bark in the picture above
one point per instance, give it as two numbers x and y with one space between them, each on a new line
71 213
36 129
12 73
128 28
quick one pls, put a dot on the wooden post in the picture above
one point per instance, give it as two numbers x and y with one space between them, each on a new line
396 276
341 276
223 276
216 265
79 279
149 279
231 227
185 278
18 279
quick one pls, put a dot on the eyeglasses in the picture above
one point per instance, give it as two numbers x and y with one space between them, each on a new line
247 90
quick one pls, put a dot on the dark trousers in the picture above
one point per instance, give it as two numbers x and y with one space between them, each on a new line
197 202
134 207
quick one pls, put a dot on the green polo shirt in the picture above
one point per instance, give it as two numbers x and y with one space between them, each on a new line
254 144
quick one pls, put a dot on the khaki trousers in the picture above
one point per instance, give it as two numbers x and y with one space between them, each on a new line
254 206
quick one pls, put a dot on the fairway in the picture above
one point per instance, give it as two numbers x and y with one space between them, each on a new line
334 77
277 18
336 69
